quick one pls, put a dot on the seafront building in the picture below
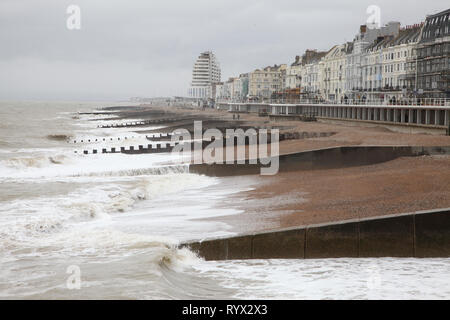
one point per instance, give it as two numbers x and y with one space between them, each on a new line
384 65
428 70
387 64
262 83
356 82
293 74
218 91
205 73
244 85
332 73
235 89
310 76
395 55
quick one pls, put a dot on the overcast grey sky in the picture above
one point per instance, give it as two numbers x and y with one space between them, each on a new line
147 47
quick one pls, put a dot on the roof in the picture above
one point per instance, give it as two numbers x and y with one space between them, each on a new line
313 56
436 26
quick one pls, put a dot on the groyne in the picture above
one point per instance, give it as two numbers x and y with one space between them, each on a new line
145 122
418 234
152 137
167 146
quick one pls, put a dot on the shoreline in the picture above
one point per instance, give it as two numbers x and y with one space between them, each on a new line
328 195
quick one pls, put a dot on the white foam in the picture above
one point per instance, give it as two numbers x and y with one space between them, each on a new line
68 164
346 278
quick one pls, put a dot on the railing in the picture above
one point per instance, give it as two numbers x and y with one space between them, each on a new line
399 102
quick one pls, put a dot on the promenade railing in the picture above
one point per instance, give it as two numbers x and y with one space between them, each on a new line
399 102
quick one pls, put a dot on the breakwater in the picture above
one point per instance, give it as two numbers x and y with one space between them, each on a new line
161 147
145 122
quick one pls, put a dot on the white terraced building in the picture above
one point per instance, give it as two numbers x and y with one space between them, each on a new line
205 73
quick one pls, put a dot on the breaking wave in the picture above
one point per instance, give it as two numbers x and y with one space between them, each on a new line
162 170
34 162
49 215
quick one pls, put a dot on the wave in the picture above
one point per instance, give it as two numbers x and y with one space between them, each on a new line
34 162
155 267
35 218
162 170
4 144
59 137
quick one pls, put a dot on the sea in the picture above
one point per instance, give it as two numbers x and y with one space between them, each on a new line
107 226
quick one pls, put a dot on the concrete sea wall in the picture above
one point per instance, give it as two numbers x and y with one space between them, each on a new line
328 158
419 234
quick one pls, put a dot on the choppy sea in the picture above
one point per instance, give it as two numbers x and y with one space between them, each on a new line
113 221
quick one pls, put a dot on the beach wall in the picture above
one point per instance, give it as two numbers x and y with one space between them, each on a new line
419 234
328 158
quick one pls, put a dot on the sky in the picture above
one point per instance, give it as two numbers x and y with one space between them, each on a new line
147 48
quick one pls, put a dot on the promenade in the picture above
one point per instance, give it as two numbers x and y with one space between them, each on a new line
431 113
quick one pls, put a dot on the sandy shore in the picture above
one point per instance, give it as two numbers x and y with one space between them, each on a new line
318 196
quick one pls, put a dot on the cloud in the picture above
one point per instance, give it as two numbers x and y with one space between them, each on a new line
129 48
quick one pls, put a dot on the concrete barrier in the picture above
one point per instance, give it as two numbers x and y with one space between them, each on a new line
240 248
416 234
393 237
432 234
327 158
285 244
332 241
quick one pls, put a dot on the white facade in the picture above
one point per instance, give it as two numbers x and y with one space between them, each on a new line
310 81
228 89
395 57
371 67
220 91
293 74
384 64
206 71
237 93
354 60
332 73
